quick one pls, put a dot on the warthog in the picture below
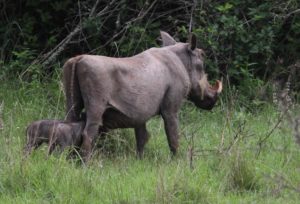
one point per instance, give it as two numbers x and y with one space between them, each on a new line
57 133
127 92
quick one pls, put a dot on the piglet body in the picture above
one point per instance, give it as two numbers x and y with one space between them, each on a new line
57 133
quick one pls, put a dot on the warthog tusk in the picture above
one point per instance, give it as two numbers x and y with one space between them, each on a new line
218 86
203 83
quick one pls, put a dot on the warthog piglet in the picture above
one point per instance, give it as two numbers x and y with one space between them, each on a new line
57 133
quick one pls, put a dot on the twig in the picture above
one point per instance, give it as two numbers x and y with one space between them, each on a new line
293 12
1 115
140 16
263 140
191 18
52 54
237 136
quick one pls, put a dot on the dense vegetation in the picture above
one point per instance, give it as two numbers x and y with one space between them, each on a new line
245 41
246 150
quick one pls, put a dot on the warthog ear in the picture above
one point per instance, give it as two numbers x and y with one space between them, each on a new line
192 41
167 39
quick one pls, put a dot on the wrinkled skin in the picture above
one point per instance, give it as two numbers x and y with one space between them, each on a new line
56 133
127 92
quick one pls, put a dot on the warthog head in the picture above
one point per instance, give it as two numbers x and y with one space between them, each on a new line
201 93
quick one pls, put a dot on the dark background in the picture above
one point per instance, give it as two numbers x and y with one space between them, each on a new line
253 45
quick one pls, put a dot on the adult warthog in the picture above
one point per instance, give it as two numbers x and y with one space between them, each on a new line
127 92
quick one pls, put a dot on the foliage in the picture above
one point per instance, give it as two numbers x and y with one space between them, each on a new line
243 39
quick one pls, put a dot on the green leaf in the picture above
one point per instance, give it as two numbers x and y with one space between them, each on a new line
224 8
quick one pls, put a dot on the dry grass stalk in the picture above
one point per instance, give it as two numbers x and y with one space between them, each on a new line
1 115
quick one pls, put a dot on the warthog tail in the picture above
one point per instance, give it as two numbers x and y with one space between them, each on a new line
74 99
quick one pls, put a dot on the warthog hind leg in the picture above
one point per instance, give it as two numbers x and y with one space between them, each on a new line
94 121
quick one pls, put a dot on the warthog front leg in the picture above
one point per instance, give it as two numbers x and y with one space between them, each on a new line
28 149
171 128
32 144
51 148
141 136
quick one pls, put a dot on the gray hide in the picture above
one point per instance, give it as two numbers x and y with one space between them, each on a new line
55 133
127 92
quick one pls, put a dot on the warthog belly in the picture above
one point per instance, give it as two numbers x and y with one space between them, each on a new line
113 119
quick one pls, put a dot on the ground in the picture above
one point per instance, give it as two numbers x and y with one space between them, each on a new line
235 153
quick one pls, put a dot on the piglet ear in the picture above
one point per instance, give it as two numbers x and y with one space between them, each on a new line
167 39
192 41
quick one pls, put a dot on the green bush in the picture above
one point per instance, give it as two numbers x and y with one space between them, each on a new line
246 42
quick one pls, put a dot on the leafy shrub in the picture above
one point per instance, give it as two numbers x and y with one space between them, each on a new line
247 42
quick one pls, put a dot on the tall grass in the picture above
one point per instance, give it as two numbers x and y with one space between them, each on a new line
218 161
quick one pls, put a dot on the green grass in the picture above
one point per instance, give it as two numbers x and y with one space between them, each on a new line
228 165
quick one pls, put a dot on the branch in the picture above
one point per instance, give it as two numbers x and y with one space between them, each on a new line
293 12
192 13
140 16
1 115
263 140
57 50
